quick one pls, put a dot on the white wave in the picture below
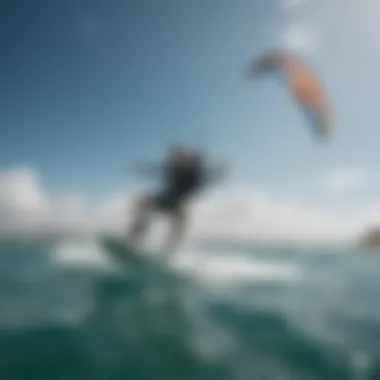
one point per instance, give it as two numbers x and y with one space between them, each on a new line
208 267
211 267
80 254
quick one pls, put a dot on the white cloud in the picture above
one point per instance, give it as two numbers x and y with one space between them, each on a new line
248 215
26 207
20 190
345 180
292 4
299 38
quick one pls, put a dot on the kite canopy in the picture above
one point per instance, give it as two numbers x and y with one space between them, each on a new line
304 86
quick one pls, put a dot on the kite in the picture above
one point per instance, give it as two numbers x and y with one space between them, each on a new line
304 86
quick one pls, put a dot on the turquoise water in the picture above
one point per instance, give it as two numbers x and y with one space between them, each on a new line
222 312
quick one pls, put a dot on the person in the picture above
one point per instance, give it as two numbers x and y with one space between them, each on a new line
184 174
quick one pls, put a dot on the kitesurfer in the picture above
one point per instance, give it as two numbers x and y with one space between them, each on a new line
184 174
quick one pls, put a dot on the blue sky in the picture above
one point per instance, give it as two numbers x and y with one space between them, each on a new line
88 86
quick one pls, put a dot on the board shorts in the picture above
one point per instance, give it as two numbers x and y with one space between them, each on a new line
167 201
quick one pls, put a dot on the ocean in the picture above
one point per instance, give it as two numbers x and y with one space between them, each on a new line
236 312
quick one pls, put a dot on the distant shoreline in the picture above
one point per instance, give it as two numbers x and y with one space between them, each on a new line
370 239
212 242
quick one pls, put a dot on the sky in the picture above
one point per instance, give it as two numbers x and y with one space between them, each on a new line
89 87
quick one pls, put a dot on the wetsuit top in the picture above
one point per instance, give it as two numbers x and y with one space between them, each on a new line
182 181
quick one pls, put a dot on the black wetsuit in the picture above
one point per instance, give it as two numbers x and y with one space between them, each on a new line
181 182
